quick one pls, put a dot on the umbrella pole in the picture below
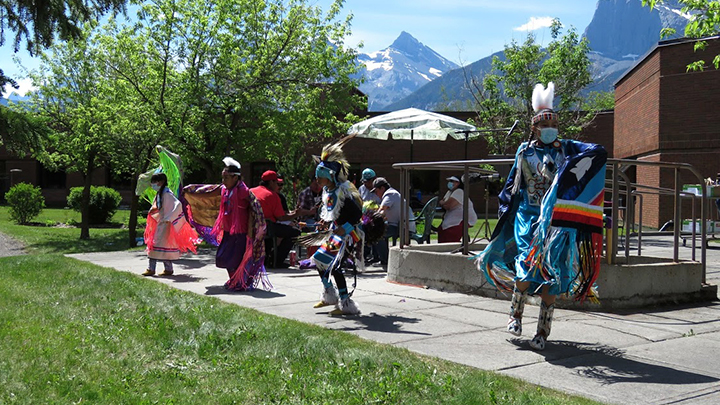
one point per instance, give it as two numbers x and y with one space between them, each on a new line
412 139
467 135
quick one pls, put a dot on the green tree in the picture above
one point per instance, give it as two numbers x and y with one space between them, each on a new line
76 104
240 77
23 132
144 110
505 94
705 22
37 23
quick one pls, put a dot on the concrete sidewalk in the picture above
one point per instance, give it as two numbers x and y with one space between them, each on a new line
657 356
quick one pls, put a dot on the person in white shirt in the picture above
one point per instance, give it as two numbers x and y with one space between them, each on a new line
390 204
451 228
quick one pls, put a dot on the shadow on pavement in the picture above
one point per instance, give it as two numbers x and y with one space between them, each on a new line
383 323
610 366
184 278
195 263
670 310
220 290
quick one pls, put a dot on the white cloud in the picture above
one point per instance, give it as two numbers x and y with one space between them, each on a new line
25 85
535 23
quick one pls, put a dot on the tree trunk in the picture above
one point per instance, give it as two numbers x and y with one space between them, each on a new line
132 224
211 176
85 211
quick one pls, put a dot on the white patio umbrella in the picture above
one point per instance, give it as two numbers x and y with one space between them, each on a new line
412 124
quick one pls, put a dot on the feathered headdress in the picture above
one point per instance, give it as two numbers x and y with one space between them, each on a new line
542 102
231 165
332 164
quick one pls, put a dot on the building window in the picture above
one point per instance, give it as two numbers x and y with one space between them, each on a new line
50 179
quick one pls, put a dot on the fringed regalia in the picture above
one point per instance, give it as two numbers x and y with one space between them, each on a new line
231 219
341 208
251 270
550 227
201 203
167 233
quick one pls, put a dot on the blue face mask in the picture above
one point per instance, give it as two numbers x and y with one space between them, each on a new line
155 187
450 185
548 135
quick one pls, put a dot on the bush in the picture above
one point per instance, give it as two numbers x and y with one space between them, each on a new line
104 201
26 202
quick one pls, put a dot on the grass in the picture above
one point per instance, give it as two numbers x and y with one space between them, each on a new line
478 227
73 332
44 236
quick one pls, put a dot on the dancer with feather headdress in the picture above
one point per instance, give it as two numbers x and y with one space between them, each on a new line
341 213
240 231
548 239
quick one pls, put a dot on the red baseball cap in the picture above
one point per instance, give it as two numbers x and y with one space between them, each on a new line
271 175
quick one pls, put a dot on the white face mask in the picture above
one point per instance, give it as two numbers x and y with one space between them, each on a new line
548 135
155 186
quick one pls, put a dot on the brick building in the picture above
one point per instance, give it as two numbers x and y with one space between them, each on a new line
663 113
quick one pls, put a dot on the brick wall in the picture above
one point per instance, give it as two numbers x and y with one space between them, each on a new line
665 114
636 124
600 131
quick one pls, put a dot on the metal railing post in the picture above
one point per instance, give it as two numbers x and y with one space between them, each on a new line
466 197
676 217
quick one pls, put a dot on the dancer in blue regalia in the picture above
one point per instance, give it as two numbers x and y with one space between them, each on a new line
548 239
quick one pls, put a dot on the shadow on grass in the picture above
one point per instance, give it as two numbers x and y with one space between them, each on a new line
609 365
104 242
257 293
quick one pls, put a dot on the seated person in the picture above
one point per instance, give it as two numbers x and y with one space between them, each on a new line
451 228
307 204
390 204
267 195
367 178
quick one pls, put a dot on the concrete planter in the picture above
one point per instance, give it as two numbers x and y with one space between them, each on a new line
645 281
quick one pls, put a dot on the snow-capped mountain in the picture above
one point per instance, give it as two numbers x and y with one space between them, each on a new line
399 70
620 33
14 98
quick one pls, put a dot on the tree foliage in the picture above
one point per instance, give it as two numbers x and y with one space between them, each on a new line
237 77
251 79
38 22
505 94
78 105
704 22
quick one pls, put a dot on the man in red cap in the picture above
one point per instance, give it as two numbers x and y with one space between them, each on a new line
267 194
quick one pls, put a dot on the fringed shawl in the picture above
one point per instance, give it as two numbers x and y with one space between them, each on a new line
567 244
251 271
229 211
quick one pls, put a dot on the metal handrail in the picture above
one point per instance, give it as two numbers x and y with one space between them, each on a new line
468 166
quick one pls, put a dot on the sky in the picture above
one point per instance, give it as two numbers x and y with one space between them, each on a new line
463 31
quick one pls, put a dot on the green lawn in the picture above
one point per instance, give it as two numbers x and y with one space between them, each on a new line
45 236
476 230
74 332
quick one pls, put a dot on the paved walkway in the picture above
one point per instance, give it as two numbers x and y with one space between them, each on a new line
654 356
10 246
